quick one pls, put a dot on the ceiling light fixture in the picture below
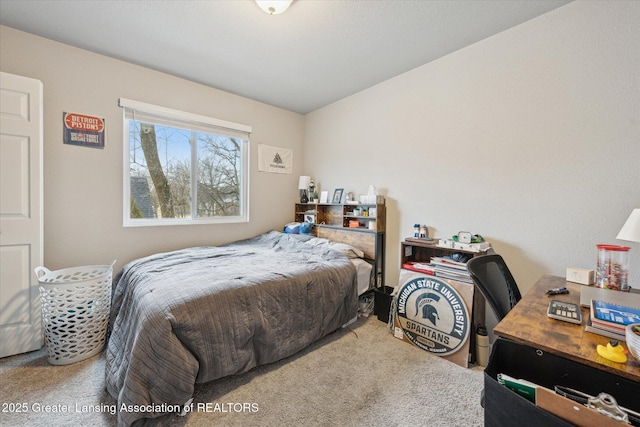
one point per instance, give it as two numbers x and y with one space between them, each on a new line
274 7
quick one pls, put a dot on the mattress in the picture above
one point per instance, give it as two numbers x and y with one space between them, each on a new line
363 270
198 314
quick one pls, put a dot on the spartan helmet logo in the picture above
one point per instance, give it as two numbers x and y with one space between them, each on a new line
429 312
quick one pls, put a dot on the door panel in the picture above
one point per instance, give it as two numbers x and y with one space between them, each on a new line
20 213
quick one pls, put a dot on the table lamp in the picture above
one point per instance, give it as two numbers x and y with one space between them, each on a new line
631 229
303 186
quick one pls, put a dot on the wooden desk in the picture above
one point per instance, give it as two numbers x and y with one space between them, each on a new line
527 323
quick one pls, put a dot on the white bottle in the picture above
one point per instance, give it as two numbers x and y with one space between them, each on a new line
482 345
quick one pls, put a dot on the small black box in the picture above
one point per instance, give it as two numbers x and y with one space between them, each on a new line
382 302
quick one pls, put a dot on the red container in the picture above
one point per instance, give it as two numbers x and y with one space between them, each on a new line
613 267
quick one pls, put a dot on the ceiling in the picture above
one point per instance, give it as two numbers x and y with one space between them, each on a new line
315 53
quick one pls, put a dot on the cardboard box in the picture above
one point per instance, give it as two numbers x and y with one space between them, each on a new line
580 275
435 314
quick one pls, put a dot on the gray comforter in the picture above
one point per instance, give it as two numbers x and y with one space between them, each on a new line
195 315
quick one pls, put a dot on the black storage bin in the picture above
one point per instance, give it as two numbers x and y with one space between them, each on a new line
503 407
382 302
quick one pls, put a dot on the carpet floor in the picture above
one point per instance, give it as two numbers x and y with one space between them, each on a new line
357 376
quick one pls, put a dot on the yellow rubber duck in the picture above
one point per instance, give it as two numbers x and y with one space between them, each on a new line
613 351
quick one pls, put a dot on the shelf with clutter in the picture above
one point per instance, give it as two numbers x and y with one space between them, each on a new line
361 222
343 211
424 254
364 217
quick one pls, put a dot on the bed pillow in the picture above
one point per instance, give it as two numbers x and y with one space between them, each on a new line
292 228
306 228
346 250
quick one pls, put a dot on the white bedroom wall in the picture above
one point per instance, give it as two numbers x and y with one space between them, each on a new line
530 138
83 186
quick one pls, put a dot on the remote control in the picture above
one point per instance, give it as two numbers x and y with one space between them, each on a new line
566 311
557 291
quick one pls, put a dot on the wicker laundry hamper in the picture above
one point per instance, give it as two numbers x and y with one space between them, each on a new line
75 311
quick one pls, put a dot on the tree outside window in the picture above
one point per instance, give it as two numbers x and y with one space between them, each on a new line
180 173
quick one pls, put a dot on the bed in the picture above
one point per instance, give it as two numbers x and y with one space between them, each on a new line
198 314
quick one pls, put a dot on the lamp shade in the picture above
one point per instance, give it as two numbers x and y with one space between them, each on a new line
303 182
631 229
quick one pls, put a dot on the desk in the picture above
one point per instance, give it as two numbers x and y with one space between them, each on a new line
527 323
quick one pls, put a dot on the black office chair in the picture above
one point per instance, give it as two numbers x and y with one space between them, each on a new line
492 276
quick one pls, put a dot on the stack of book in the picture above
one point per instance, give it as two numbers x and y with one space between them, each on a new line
419 267
444 267
610 320
447 268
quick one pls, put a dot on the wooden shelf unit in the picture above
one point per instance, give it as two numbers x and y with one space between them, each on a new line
331 220
422 251
371 216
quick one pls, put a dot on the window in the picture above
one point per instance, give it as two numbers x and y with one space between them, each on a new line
182 168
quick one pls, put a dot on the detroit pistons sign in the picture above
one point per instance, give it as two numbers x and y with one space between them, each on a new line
433 315
84 130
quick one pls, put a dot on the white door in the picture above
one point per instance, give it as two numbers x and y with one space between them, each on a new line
20 213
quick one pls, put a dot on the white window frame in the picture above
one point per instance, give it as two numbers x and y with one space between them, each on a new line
186 118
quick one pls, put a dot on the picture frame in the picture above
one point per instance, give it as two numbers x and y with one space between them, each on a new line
324 197
337 196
